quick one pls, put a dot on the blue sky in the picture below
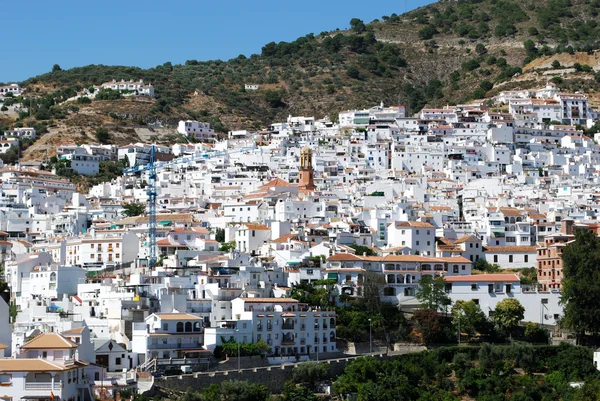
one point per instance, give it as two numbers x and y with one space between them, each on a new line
147 33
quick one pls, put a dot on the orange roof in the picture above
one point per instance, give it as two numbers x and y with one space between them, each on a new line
32 365
277 182
254 226
466 238
418 224
483 278
49 341
285 238
3 346
343 257
511 211
77 330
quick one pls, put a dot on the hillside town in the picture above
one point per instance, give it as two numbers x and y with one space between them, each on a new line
100 297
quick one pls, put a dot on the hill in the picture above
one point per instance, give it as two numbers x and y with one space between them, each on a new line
445 53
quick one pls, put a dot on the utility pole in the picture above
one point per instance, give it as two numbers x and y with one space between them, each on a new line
370 336
239 349
459 329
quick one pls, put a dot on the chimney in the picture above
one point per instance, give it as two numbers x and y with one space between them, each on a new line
566 227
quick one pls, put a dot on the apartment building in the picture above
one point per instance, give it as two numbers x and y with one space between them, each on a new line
168 335
286 326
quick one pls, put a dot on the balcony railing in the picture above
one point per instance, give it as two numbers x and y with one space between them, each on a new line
288 326
43 385
259 328
175 346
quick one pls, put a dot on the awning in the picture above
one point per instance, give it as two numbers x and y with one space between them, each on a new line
291 262
498 232
164 223
332 276
362 120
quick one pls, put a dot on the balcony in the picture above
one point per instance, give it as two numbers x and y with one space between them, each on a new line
302 327
43 385
269 328
288 326
316 327
259 327
175 346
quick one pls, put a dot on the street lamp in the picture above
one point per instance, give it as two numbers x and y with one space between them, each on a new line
370 337
239 348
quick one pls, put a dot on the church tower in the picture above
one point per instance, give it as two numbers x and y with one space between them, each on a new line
306 182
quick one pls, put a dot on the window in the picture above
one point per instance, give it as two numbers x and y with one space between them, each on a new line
526 258
117 361
495 258
473 287
510 258
165 326
544 301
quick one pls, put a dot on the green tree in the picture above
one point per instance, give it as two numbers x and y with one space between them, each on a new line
535 333
508 314
432 293
361 250
220 235
581 284
102 135
555 64
428 32
480 48
294 392
56 68
227 246
133 209
470 317
243 391
357 25
309 374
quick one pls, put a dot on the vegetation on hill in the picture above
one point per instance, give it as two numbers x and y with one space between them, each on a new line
445 53
487 373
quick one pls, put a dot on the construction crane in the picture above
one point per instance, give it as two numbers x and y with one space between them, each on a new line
151 168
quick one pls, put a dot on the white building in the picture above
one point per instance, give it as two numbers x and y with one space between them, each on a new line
84 163
199 130
418 236
22 132
15 89
489 289
286 326
135 87
168 335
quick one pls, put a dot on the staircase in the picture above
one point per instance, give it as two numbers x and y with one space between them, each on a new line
147 366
